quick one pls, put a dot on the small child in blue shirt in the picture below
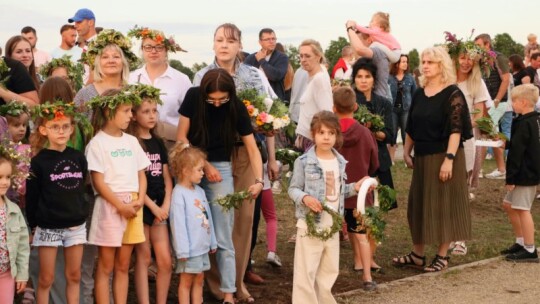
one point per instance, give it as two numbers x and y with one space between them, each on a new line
191 222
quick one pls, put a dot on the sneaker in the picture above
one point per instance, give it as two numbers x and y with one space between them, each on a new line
512 249
273 259
276 187
496 174
481 173
523 256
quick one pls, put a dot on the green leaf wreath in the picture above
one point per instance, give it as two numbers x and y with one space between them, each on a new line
323 234
75 71
105 38
373 220
4 70
287 157
233 200
14 108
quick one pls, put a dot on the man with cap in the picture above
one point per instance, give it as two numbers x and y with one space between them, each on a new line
85 24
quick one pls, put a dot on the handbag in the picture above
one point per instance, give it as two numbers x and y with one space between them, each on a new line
261 145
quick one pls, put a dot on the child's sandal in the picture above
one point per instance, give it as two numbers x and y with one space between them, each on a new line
408 261
439 263
459 248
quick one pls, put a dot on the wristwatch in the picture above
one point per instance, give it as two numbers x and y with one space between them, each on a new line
450 156
260 181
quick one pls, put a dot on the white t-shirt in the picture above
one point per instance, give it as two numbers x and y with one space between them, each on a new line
118 158
75 53
330 168
317 97
173 85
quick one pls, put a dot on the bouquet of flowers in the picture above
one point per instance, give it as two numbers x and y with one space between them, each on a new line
373 220
374 122
233 200
287 157
267 115
4 69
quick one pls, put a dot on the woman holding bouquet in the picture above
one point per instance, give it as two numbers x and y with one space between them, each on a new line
364 76
211 116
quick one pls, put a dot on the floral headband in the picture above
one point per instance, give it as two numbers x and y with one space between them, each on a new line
157 36
105 38
126 96
20 157
59 110
457 47
13 108
145 91
4 69
75 70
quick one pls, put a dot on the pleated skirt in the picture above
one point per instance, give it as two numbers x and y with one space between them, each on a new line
439 212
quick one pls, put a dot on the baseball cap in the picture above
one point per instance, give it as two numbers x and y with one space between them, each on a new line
82 14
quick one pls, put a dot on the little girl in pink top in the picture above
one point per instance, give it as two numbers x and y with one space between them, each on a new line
379 30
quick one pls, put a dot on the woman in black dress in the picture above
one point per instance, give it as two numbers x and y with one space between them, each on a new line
438 123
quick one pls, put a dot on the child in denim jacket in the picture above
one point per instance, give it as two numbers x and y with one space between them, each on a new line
319 177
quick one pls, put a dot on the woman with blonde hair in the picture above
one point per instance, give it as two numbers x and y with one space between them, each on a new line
439 121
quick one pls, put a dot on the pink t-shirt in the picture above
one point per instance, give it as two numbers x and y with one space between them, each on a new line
380 36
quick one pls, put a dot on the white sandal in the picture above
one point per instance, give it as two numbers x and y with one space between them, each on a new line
459 248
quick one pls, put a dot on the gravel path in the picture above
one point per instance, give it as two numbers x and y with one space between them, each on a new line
488 281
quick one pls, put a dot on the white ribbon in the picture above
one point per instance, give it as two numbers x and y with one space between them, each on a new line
362 193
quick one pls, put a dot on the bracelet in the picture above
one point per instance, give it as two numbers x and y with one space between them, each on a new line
259 181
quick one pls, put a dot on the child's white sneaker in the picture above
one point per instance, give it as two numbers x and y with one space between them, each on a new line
273 259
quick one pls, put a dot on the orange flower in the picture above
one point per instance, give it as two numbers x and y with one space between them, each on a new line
58 115
144 32
259 121
159 39
246 102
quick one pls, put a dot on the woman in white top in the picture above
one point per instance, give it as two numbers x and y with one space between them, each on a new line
157 72
318 94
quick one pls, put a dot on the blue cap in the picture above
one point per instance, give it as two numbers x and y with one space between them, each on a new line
82 14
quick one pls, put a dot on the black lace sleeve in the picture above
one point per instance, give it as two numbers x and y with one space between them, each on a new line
459 118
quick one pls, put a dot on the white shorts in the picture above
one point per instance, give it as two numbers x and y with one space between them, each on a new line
65 237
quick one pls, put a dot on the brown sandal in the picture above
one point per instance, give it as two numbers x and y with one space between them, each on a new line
408 261
439 263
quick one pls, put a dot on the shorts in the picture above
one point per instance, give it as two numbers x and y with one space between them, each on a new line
352 224
65 237
108 226
521 197
195 264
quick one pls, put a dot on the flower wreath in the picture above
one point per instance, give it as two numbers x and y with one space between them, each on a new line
157 36
58 110
233 200
21 158
146 91
74 70
4 69
105 38
326 233
13 108
456 47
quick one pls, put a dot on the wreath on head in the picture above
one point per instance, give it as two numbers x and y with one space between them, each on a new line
13 108
75 70
157 36
105 38
20 156
145 91
52 111
128 95
455 47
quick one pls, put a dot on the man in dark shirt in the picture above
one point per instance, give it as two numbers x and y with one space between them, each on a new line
532 70
273 63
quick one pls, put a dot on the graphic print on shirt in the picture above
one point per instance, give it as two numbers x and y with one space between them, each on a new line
156 167
121 153
331 189
67 174
203 216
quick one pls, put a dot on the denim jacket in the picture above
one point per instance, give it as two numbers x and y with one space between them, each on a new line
308 179
17 241
409 86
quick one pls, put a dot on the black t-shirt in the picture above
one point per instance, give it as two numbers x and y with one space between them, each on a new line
157 154
19 79
432 120
531 72
215 117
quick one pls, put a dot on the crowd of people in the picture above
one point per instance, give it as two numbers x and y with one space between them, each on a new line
106 156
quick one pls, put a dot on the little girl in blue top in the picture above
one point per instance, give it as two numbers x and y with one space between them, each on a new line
319 177
191 222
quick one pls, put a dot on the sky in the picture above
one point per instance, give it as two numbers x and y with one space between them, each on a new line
415 23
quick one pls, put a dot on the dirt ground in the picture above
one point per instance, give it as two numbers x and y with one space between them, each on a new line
489 281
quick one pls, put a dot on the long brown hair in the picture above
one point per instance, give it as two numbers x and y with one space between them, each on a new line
55 88
134 126
10 47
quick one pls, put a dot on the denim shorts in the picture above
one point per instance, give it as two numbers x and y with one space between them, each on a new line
65 237
195 264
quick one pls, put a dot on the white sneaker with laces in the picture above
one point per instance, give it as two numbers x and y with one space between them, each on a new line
496 174
273 259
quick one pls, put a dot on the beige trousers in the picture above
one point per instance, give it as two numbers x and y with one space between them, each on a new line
316 268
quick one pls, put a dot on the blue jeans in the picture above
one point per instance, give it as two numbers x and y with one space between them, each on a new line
505 124
399 116
223 225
